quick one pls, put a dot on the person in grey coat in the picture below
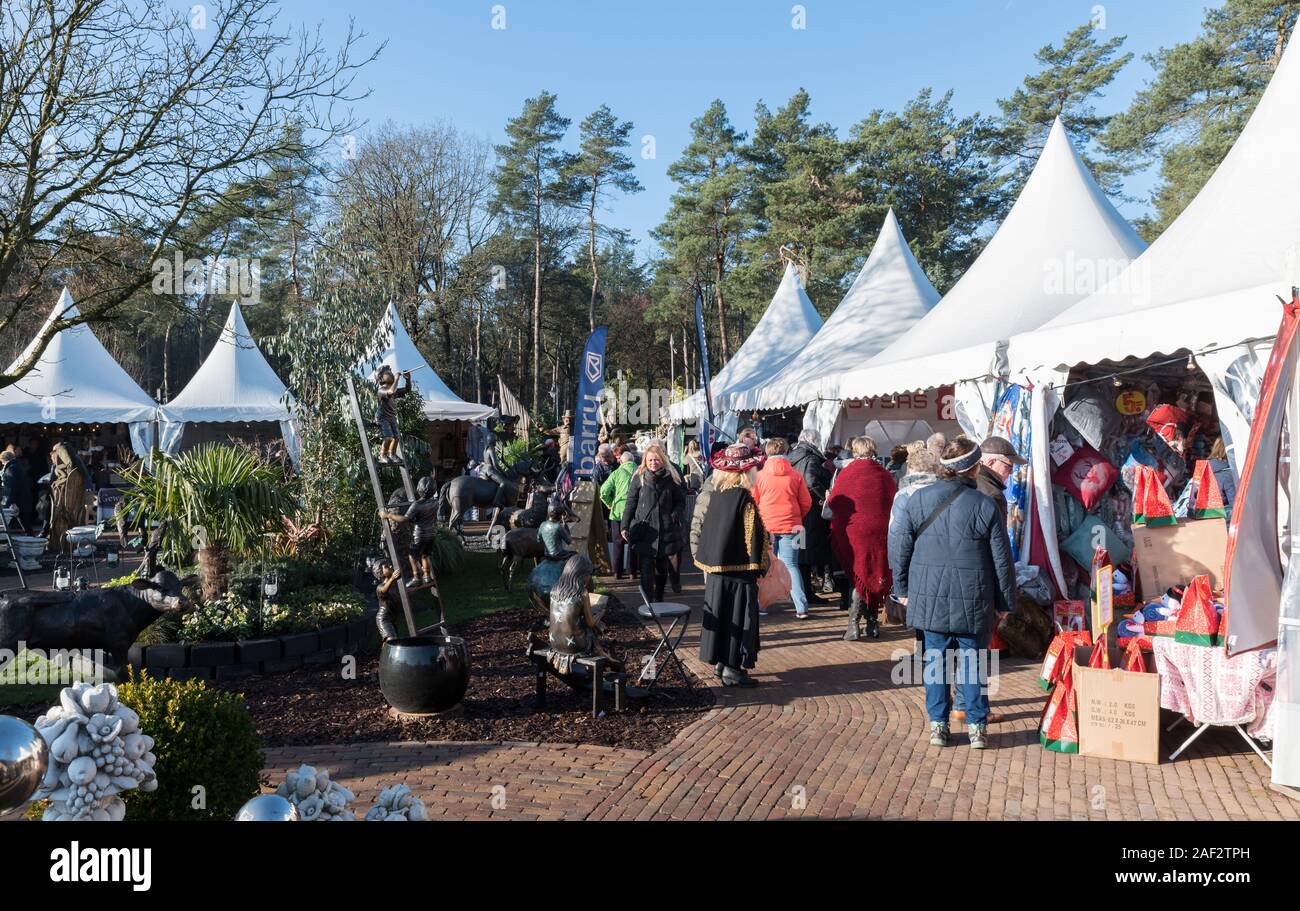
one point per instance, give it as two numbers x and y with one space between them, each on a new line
952 567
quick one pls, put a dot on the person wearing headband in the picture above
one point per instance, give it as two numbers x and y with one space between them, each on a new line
952 566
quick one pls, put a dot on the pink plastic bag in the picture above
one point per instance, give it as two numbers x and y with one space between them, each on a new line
774 587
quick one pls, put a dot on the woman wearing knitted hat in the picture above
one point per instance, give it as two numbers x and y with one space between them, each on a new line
952 565
732 552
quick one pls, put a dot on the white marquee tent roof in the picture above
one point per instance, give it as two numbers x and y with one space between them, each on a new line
787 326
234 383
887 298
76 381
393 346
1211 278
1027 274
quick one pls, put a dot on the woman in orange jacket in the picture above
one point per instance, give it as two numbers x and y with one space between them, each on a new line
783 500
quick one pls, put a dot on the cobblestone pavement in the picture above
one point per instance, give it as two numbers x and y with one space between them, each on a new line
829 734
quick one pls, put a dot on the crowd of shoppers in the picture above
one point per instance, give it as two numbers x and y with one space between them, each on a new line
921 533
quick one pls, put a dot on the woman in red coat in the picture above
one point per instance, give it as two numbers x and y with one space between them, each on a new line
860 501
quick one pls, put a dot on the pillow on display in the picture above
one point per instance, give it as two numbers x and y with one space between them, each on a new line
1095 418
1086 476
1080 545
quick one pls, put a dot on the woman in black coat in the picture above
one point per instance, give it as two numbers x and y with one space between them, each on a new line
652 520
953 570
815 556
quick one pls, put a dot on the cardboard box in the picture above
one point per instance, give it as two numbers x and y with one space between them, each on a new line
1119 712
1169 555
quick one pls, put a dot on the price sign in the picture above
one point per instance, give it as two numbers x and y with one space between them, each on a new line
1103 604
1131 402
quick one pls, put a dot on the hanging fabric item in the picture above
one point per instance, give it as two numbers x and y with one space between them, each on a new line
1012 422
1169 422
1206 497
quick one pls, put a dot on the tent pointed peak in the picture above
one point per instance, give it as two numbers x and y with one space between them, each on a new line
890 293
65 308
236 328
1026 274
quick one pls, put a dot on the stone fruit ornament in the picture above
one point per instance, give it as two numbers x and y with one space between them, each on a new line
97 751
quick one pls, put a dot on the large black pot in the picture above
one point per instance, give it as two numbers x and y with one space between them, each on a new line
424 674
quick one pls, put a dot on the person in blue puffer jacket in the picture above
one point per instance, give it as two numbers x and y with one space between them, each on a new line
952 566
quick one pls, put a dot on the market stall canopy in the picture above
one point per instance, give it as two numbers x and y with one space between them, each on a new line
76 381
234 383
1212 278
1029 272
886 299
393 346
787 326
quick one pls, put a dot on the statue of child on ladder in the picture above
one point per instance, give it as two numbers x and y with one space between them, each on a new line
386 413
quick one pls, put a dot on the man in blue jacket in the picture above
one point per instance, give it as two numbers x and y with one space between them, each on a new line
953 570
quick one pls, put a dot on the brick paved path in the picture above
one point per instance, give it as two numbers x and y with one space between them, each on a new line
827 735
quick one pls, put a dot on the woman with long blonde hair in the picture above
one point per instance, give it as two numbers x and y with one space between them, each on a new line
651 523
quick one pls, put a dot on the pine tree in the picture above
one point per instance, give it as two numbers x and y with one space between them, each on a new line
1072 76
931 167
601 167
800 200
532 186
1203 92
707 217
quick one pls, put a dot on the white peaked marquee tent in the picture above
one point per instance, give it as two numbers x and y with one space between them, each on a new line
234 383
76 381
787 326
1210 282
392 345
1034 268
889 295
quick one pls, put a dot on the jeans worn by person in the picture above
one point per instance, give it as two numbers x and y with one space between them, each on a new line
966 677
787 551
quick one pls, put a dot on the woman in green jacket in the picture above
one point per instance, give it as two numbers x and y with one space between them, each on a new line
613 493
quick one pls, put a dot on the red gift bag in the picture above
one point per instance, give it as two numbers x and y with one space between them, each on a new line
1058 729
1198 621
1208 501
1100 656
1135 660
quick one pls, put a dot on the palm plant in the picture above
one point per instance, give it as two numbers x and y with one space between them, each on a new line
216 500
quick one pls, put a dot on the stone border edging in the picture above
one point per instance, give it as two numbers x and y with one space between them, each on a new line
251 657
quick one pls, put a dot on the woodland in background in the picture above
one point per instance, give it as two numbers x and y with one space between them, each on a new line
501 258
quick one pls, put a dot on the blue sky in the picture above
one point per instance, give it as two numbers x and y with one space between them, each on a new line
660 63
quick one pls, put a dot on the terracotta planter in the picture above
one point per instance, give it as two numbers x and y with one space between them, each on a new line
424 674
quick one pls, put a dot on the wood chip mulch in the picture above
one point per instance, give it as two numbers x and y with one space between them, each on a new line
314 705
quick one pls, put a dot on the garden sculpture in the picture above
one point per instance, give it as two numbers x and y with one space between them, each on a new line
499 489
24 760
108 620
397 804
317 797
96 751
386 413
422 515
574 629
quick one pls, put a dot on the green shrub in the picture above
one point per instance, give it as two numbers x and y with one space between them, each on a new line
448 552
238 614
203 738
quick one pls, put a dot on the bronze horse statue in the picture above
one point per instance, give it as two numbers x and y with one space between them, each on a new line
461 494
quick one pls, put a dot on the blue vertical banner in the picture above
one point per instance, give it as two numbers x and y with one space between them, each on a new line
591 383
702 340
